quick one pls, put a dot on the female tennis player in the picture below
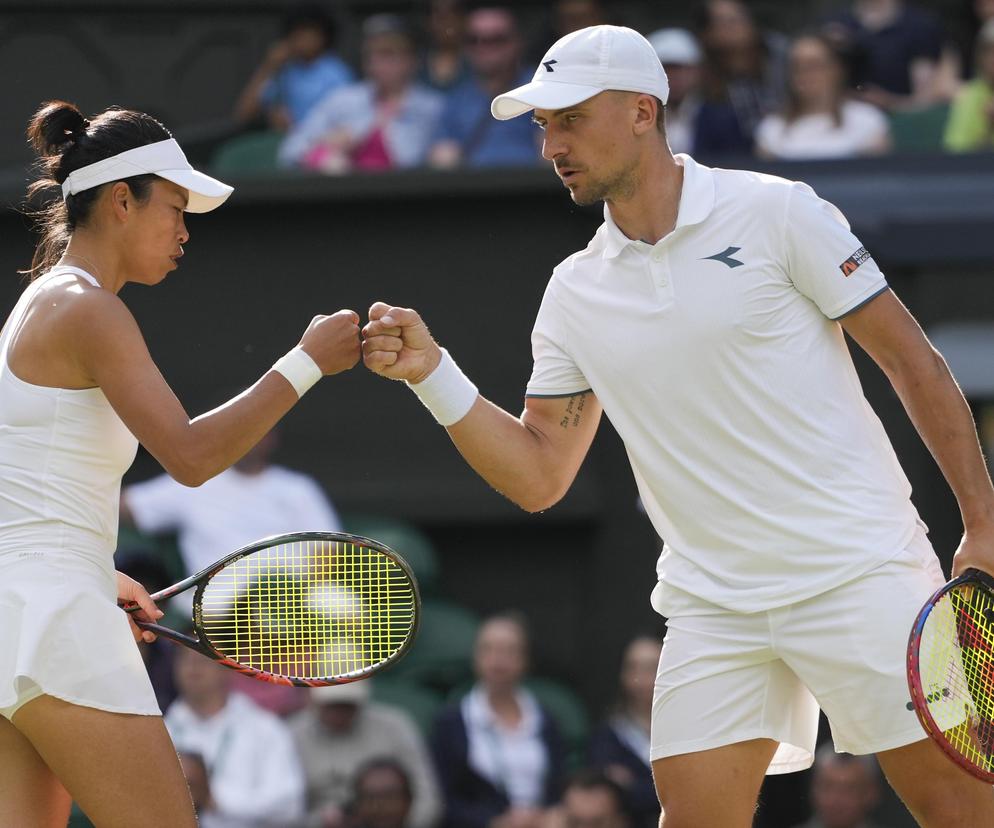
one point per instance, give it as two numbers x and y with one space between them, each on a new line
78 391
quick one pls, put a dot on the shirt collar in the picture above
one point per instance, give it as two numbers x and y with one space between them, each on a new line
696 203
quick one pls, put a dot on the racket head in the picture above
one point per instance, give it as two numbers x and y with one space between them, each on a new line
951 671
307 609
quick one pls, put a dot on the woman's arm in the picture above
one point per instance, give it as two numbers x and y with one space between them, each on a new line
102 336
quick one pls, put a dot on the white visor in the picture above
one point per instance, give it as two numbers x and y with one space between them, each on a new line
164 159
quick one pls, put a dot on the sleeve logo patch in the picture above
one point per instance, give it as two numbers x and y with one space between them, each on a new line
850 265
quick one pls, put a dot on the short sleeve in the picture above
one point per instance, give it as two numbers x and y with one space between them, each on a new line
554 373
157 504
825 261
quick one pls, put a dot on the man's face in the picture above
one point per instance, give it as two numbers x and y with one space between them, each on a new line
492 42
592 146
844 794
591 808
382 800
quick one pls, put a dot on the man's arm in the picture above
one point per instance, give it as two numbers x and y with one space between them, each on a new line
887 332
531 459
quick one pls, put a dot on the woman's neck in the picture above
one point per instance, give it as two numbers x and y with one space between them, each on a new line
85 254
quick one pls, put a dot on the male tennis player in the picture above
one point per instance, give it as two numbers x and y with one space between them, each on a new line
706 318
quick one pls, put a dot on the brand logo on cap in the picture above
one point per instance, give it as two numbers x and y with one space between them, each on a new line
548 65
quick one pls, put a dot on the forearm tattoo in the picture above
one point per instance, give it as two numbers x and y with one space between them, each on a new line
573 412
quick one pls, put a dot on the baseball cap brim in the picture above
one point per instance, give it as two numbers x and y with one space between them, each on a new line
540 95
206 193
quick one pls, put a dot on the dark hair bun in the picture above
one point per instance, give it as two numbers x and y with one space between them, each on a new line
53 126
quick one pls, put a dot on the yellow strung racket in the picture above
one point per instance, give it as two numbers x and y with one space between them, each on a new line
306 609
951 671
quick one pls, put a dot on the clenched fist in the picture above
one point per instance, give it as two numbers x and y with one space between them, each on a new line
333 341
396 344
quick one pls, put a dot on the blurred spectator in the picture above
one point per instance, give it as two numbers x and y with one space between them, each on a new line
444 63
381 796
894 49
195 771
144 566
744 76
975 13
498 753
680 55
819 120
254 777
467 133
573 15
591 800
621 746
384 122
844 790
298 71
251 500
341 730
971 119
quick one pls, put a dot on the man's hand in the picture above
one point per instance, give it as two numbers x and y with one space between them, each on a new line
396 344
976 551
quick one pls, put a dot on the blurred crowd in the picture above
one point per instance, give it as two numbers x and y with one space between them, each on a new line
871 77
460 733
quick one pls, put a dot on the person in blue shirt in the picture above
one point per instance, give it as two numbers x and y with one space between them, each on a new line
467 133
298 71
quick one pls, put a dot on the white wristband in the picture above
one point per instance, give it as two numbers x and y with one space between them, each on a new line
300 370
447 392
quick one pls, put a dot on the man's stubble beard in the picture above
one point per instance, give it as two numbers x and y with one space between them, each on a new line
619 187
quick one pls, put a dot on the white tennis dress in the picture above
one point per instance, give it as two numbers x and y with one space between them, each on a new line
62 455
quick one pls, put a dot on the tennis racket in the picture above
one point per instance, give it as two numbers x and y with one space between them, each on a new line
951 671
306 609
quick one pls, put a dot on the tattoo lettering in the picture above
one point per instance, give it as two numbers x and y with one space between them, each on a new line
574 407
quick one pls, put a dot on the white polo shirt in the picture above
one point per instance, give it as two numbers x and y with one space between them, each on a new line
715 355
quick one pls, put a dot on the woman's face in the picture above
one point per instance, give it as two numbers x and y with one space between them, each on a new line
389 61
155 232
729 28
638 672
814 71
501 655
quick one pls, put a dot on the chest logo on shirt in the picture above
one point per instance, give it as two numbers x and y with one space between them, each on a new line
850 265
725 257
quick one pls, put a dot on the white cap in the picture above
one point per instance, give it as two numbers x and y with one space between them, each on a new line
677 46
353 692
585 63
164 159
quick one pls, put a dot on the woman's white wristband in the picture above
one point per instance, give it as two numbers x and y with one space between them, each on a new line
300 370
447 392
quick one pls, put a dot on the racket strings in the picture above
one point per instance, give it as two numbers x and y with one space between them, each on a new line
310 609
957 672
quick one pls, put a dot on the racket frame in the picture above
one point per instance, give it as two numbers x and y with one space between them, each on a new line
201 579
919 698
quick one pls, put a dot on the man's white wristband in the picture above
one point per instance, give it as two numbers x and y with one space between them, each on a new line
300 370
447 392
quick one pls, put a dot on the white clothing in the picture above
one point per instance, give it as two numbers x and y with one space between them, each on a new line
62 455
230 510
863 130
715 355
726 677
252 764
513 760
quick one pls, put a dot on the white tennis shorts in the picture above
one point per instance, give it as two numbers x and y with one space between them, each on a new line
727 677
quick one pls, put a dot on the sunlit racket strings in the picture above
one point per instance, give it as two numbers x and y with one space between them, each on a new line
310 609
957 672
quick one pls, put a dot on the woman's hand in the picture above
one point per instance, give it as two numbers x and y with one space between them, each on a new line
129 591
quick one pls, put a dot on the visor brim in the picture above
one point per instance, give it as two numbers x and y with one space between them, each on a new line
206 193
540 95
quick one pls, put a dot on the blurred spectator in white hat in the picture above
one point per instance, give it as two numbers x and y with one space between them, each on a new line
680 55
339 732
